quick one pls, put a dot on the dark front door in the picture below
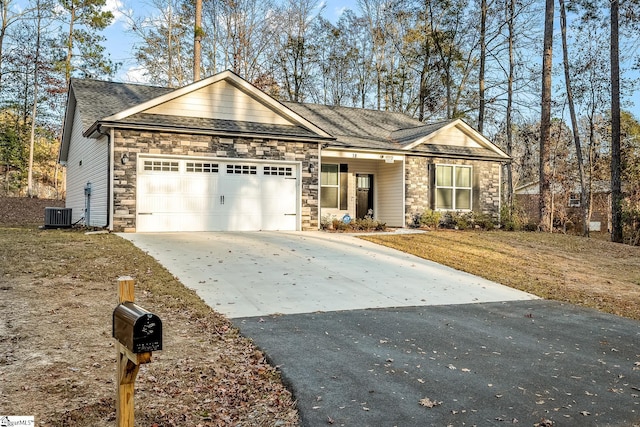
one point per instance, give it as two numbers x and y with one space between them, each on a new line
364 197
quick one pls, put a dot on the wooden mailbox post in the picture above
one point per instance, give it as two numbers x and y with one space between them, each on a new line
130 322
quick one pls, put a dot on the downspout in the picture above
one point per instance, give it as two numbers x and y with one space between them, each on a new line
108 135
319 175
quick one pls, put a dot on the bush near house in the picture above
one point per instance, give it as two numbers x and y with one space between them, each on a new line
331 223
454 220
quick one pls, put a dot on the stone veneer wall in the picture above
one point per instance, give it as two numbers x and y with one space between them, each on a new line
418 191
152 142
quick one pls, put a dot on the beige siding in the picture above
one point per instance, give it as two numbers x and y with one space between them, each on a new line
220 101
454 136
389 194
387 187
87 162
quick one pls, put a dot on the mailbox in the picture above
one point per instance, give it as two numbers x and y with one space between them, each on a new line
136 328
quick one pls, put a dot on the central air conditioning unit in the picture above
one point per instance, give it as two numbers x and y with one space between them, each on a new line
57 217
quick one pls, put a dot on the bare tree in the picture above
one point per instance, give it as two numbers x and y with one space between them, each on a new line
546 208
584 199
511 6
198 33
34 111
293 45
8 16
483 58
616 193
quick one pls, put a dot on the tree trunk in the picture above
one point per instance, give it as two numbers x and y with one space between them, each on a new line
197 42
67 64
170 45
34 111
512 65
545 122
616 194
584 200
483 55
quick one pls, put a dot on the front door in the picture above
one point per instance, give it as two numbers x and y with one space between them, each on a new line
364 197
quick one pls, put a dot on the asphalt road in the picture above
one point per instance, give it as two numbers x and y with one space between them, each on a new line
486 364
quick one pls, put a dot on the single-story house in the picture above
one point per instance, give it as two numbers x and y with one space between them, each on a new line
220 154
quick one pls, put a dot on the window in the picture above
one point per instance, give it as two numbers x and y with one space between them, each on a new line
453 187
160 165
242 170
202 167
333 182
278 171
574 200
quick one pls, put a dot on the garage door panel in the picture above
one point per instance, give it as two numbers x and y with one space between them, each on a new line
220 196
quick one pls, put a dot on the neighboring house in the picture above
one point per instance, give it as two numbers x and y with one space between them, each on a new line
220 154
567 203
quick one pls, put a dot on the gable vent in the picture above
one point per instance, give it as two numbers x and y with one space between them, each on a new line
57 217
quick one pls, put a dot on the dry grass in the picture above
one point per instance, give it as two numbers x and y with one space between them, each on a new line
588 272
57 358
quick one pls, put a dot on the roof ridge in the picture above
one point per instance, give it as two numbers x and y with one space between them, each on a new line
112 82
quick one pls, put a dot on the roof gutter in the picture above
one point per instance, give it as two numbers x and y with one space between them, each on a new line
94 129
415 153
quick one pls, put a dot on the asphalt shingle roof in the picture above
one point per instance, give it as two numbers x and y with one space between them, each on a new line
351 127
357 126
217 124
98 99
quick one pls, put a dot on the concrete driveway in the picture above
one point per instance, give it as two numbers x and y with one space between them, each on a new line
260 273
374 337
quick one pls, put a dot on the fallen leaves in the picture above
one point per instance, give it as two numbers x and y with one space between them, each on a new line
428 403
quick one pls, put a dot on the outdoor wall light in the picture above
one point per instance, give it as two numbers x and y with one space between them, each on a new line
312 168
124 158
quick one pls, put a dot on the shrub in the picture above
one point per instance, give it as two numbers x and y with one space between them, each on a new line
330 222
484 221
326 222
338 225
367 224
429 219
514 218
631 222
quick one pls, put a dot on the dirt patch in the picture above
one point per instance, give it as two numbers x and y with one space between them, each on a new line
58 289
23 211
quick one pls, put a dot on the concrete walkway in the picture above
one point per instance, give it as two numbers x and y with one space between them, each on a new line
261 273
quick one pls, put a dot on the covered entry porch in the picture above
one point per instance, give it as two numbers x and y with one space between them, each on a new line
362 184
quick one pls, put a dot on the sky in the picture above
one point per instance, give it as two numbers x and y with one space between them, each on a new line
119 40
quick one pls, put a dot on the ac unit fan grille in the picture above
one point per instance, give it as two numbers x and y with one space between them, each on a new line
57 217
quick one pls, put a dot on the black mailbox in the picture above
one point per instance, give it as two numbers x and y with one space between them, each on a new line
136 328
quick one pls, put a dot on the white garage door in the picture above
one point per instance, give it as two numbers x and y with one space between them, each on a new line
212 195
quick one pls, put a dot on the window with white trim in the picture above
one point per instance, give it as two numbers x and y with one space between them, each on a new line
453 187
334 184
574 200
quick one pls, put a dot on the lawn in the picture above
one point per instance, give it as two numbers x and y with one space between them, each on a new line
58 290
590 272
